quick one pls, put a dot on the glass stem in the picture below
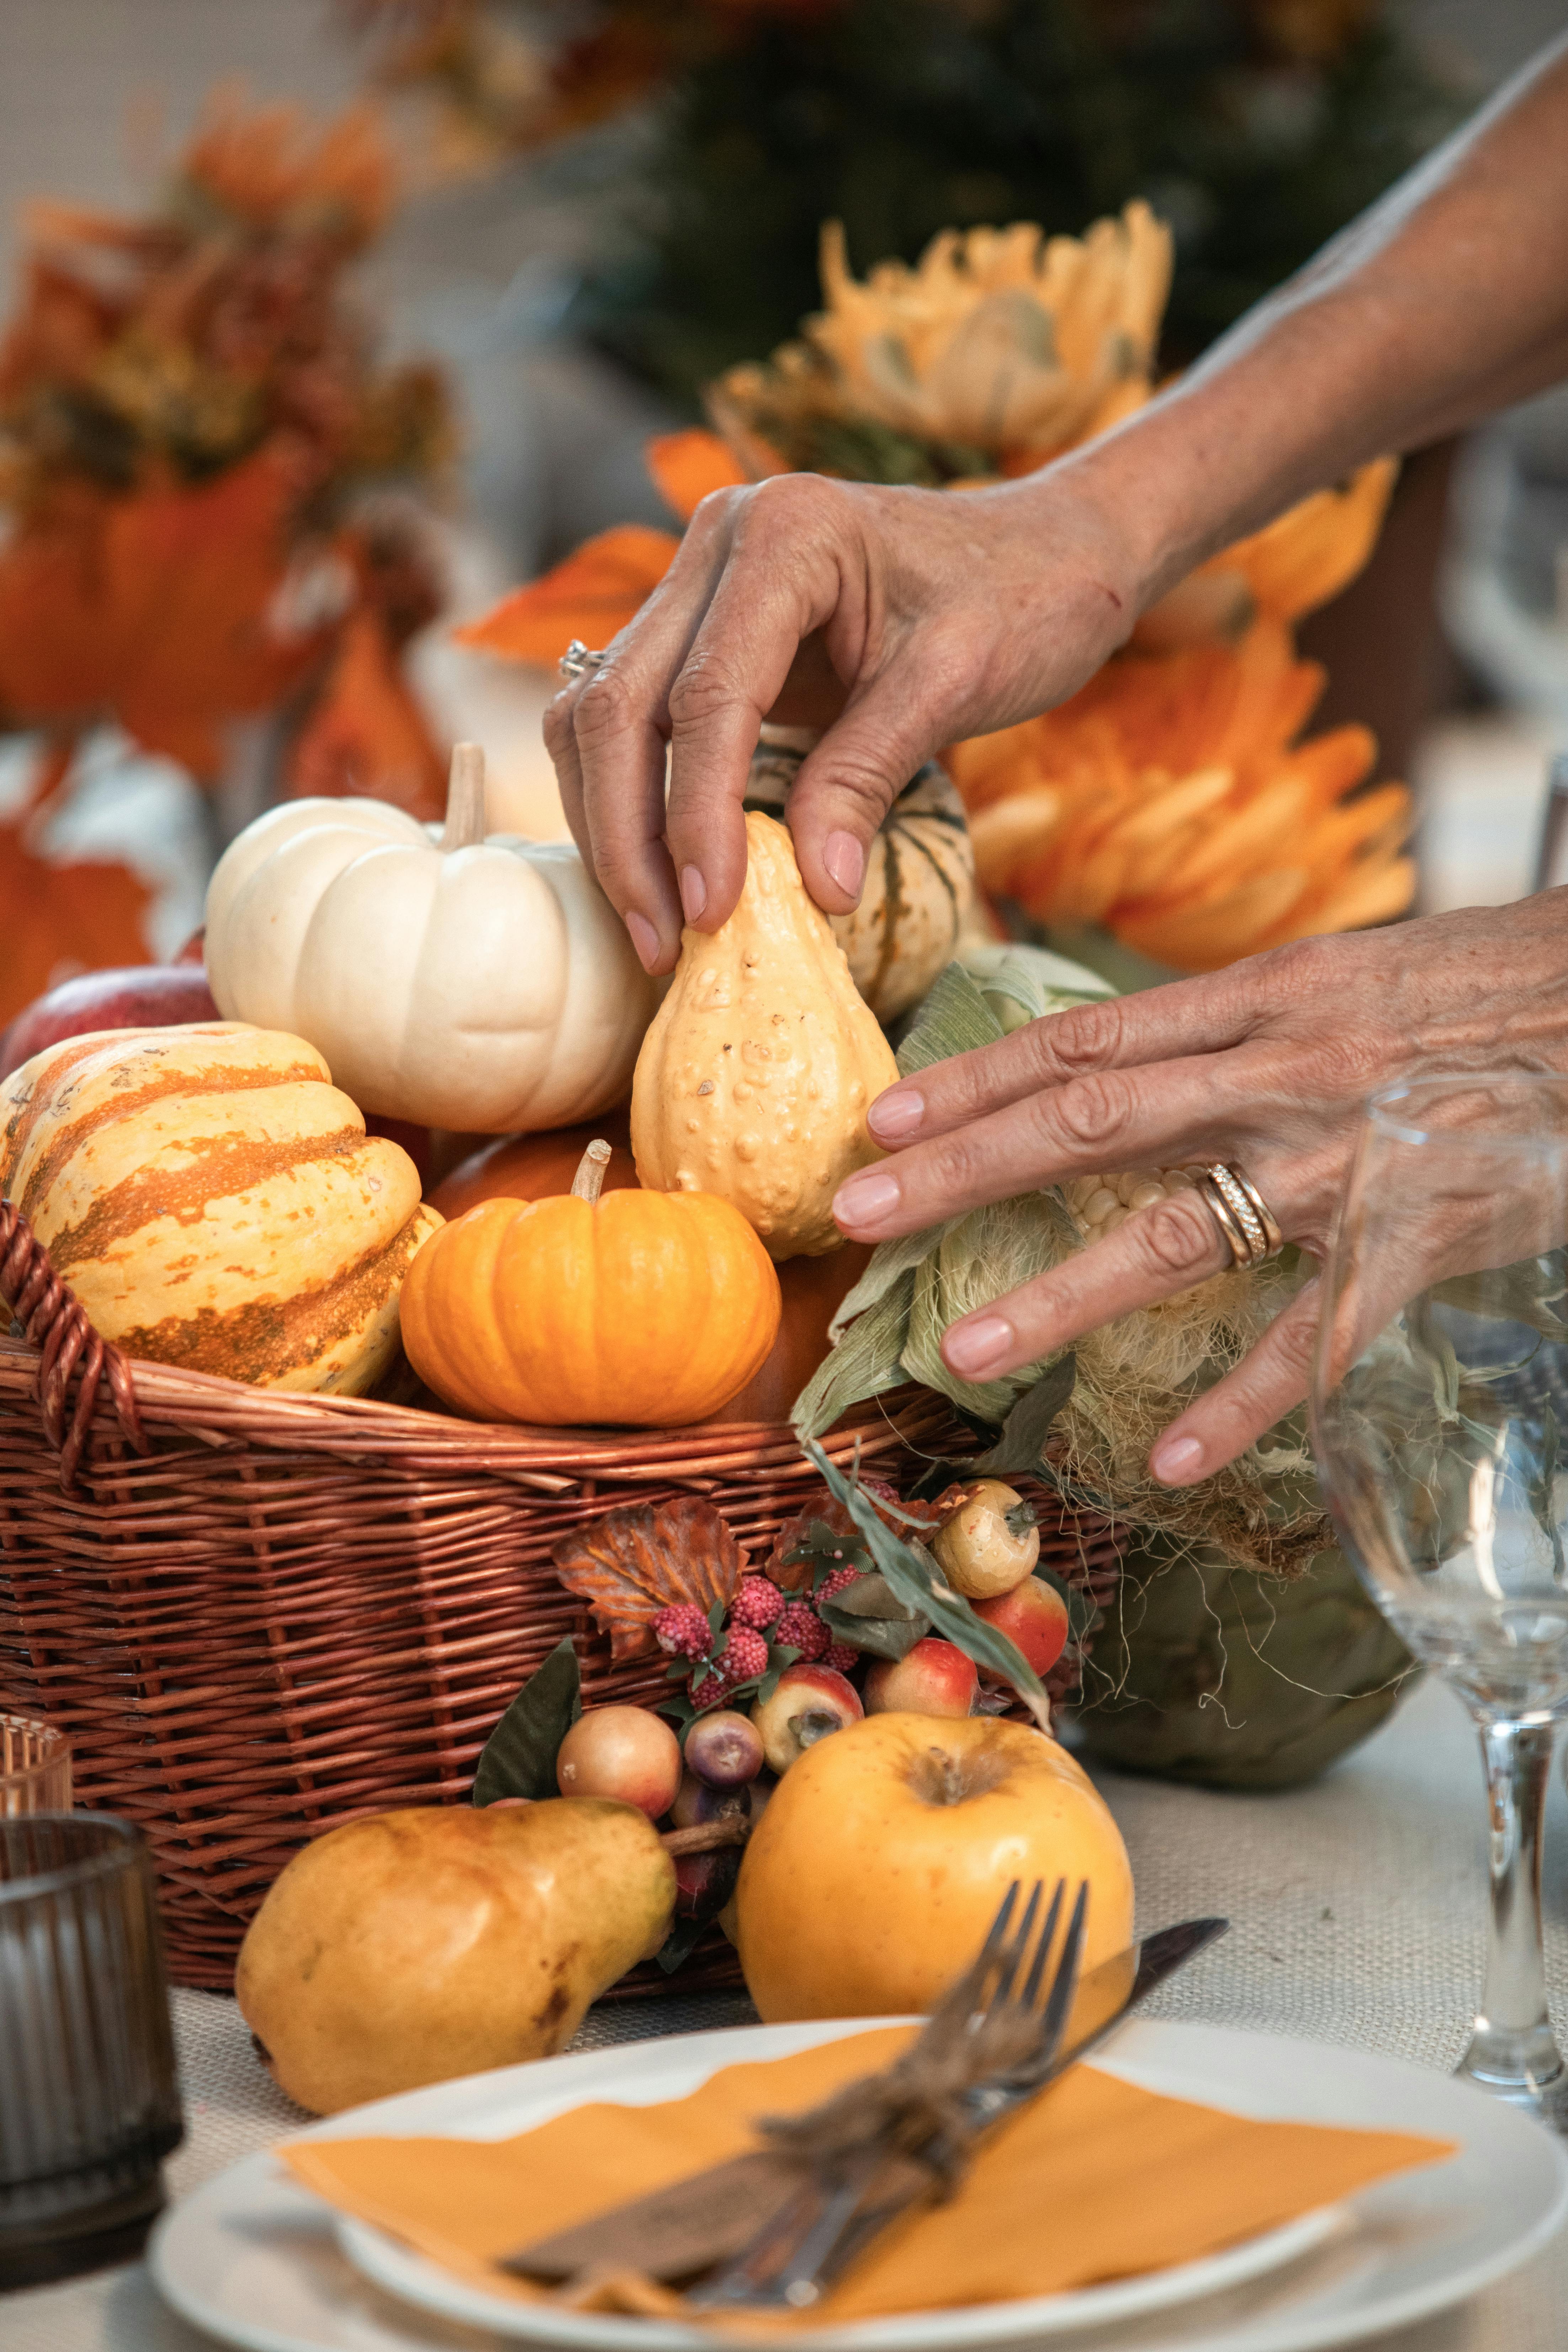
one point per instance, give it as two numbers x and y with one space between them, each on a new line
1511 2047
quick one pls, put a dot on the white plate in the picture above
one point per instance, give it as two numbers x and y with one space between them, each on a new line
259 2263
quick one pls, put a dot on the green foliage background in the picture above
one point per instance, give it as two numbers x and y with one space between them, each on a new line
904 116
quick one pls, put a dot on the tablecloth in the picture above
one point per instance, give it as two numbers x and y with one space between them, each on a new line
1358 1910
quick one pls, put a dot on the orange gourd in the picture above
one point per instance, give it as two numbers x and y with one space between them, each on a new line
641 1310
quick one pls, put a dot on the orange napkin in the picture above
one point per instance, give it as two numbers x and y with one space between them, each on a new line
1093 2181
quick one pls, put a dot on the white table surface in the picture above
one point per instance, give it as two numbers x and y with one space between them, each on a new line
1357 1908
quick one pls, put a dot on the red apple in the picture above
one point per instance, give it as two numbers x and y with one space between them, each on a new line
134 996
1035 1619
934 1678
808 1702
624 1752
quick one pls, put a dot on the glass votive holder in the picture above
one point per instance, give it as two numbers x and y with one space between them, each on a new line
35 1766
89 2105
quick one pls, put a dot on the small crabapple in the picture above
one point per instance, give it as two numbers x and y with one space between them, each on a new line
933 1678
808 1702
1035 1619
621 1751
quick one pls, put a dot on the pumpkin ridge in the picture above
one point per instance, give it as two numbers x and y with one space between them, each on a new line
69 1132
227 1169
255 1341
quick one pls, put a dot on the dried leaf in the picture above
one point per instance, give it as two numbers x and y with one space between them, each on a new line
822 1536
155 606
83 914
591 595
635 1562
518 1757
367 734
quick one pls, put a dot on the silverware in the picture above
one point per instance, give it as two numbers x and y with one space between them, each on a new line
723 2215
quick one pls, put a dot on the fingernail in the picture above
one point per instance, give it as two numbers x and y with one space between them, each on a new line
643 938
865 1197
898 1112
693 892
974 1346
1174 1463
845 861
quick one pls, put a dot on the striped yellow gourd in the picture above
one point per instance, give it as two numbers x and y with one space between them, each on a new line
215 1201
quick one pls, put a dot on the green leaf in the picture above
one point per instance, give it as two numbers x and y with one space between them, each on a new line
953 1019
870 1616
681 1942
866 1360
1017 1451
518 1758
912 1574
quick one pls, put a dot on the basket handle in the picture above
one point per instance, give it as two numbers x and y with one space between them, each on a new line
55 1320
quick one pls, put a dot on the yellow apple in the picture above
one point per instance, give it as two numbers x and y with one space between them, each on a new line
874 1873
409 1947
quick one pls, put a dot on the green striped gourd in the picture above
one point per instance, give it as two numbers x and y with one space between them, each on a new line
920 877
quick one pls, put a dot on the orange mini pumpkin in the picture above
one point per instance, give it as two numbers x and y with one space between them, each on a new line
643 1309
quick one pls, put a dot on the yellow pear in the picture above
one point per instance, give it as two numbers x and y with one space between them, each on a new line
755 1080
413 1946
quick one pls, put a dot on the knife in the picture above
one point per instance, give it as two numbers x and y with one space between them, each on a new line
712 2218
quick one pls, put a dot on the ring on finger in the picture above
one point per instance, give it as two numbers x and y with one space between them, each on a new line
1248 1224
577 660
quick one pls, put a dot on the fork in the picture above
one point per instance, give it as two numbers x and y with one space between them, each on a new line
988 2046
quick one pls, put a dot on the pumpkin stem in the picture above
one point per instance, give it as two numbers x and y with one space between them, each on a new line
465 822
588 1183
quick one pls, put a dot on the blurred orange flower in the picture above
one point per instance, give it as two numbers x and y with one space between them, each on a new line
1171 801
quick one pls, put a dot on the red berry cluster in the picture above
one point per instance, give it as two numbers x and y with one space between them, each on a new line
762 1618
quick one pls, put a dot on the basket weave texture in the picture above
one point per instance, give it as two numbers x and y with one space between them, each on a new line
290 1610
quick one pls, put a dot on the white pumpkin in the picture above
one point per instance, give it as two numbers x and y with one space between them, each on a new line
448 978
920 877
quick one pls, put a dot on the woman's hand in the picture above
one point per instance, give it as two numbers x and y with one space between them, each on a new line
923 615
1267 1064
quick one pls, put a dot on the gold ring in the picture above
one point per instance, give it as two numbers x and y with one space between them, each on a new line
577 661
1251 1233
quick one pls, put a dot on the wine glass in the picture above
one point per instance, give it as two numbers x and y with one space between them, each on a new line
1440 1422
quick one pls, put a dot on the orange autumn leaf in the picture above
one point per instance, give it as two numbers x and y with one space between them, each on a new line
686 466
366 735
83 914
591 595
154 608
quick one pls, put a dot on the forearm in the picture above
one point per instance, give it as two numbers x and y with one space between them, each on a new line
1445 301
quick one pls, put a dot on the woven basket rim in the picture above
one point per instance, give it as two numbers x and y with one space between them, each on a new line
224 1411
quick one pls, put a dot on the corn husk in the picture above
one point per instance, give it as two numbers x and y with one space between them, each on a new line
1132 1376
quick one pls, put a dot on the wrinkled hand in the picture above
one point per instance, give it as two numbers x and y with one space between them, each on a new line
1267 1064
920 615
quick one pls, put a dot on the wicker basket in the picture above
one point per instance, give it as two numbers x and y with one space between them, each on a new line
254 1615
